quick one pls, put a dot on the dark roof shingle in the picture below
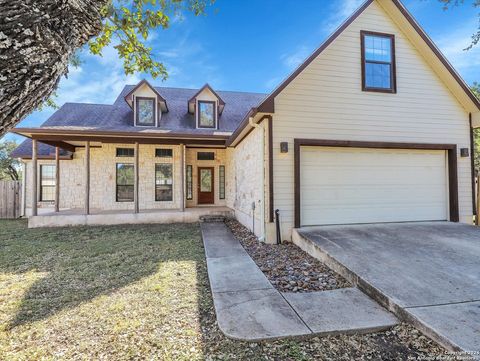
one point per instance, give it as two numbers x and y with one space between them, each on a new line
119 116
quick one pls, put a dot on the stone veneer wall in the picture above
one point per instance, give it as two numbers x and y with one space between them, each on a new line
103 178
246 168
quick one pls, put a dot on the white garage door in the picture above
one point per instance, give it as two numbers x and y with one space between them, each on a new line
359 185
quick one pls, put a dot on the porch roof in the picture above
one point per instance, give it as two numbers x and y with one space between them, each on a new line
69 140
80 121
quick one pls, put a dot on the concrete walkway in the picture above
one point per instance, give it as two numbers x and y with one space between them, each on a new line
427 273
249 308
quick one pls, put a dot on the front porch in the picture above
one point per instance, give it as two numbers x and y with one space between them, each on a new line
77 217
106 183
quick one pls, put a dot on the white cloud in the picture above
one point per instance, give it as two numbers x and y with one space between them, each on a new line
293 60
344 10
97 80
272 83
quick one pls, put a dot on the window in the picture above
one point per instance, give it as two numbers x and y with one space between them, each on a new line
163 182
125 152
206 114
221 179
145 108
378 62
205 156
125 182
189 182
164 153
47 183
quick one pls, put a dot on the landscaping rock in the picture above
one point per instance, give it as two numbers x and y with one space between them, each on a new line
287 267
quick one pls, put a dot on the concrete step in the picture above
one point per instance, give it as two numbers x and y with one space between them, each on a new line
212 218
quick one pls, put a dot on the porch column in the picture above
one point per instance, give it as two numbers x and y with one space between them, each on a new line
87 177
135 195
57 179
182 175
34 177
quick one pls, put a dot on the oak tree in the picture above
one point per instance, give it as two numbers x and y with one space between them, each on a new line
39 38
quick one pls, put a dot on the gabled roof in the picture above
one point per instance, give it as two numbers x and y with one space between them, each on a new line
161 99
118 117
192 100
268 106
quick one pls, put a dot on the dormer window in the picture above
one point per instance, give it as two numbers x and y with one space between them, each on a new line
206 114
207 107
147 104
145 111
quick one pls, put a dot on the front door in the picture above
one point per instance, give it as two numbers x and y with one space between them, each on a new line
206 194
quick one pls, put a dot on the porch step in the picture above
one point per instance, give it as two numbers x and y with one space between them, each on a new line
212 218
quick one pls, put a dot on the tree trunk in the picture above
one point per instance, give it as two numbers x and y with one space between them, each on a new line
37 39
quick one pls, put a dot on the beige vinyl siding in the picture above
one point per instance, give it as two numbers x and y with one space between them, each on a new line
326 102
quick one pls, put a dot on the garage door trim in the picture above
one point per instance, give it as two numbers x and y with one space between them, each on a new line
451 154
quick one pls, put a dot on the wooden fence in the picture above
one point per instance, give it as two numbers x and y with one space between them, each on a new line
10 199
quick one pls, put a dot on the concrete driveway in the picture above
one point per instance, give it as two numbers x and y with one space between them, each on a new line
428 273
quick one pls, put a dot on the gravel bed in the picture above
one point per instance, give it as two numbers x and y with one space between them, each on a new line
286 266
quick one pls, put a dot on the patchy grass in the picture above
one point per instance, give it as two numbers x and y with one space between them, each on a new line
138 292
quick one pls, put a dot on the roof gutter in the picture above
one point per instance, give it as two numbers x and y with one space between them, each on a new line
67 132
246 123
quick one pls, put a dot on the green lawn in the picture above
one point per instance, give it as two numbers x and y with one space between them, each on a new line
135 292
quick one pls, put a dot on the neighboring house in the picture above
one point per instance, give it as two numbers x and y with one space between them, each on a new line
375 126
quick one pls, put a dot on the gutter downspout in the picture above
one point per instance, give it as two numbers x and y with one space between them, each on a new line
262 200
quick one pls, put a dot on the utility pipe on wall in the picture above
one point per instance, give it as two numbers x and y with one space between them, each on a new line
262 197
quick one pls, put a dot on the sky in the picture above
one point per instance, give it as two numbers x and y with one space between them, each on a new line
252 45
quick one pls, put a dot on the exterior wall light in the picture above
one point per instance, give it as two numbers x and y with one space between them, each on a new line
463 152
283 147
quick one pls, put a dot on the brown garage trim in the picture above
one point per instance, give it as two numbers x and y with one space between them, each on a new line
270 168
452 165
472 164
